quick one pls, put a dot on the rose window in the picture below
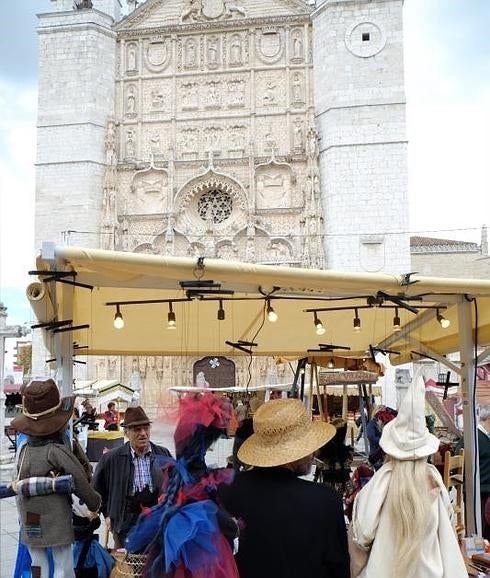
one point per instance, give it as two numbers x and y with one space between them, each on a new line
215 206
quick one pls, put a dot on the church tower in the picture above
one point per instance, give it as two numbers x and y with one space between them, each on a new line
76 97
360 116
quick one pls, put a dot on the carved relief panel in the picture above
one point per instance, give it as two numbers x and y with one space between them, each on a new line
213 52
149 192
273 183
270 91
157 98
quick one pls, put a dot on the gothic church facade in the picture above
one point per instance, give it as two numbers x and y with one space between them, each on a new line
270 131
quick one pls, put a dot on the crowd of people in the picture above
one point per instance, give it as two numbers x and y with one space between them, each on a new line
259 518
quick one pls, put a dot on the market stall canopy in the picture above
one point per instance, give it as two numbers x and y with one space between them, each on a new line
83 287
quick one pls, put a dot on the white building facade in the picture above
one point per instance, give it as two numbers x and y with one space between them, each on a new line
259 130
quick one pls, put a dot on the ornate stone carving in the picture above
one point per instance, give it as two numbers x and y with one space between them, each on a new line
236 93
189 142
270 45
212 92
312 143
190 53
149 190
209 10
212 138
273 186
157 54
189 95
236 50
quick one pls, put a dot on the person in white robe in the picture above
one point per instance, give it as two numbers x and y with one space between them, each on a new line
401 523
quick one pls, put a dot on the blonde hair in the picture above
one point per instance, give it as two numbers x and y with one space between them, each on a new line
409 503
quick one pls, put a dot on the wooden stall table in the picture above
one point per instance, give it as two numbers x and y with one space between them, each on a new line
99 442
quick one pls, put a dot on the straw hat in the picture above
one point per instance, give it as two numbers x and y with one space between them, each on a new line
283 433
44 412
406 437
135 416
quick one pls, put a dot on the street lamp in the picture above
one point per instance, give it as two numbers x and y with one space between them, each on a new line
6 331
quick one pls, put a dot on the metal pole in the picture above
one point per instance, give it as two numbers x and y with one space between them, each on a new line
471 466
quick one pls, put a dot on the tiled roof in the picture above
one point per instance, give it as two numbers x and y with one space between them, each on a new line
433 245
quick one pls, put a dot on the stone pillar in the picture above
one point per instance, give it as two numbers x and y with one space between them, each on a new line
360 117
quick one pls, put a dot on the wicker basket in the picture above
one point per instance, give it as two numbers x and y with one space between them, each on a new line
128 565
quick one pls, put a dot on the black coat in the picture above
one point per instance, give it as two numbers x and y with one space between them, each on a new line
293 528
113 478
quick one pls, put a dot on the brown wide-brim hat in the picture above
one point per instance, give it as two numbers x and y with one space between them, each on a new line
135 416
283 433
44 412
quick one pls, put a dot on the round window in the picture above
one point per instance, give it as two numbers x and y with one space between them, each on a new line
215 205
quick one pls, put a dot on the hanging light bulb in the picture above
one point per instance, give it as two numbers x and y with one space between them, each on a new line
271 314
171 317
396 321
444 323
357 323
331 363
320 329
221 311
118 319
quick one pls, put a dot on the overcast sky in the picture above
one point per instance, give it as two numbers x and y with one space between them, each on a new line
447 53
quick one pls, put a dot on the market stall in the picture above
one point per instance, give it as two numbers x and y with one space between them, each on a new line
225 308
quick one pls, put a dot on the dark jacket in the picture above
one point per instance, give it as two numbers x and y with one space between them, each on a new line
484 462
292 528
113 478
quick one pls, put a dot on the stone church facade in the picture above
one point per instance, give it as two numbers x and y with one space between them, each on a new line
270 131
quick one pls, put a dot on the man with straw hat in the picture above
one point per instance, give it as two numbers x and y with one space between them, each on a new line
291 527
401 522
46 521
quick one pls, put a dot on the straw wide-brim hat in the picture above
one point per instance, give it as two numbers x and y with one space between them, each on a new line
44 412
283 433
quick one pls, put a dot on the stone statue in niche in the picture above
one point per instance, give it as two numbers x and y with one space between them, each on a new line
132 57
270 93
297 88
237 137
190 53
213 52
130 144
298 134
110 144
236 50
131 102
312 143
297 45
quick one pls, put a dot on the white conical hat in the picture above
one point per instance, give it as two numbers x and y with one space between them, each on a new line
407 437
